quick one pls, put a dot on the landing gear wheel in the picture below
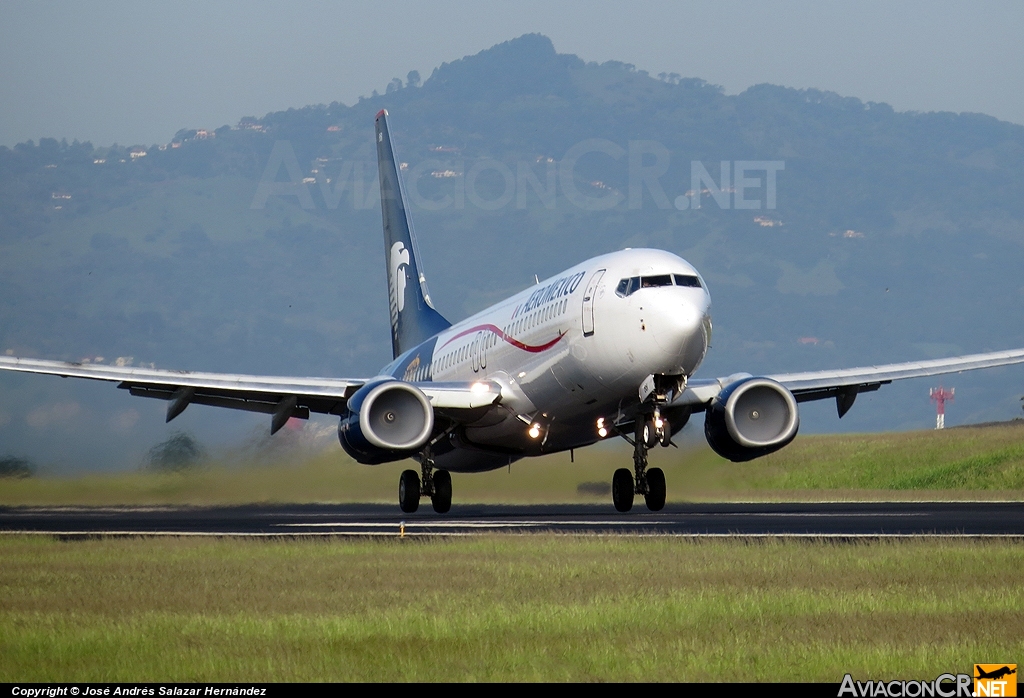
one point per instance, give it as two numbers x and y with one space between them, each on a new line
622 490
650 434
666 434
655 496
442 496
409 491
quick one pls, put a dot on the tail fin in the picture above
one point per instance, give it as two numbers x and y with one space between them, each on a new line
413 318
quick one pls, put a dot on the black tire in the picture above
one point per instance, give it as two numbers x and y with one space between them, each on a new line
442 497
666 434
622 490
409 491
655 496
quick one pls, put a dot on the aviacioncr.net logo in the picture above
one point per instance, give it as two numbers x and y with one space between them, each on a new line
943 686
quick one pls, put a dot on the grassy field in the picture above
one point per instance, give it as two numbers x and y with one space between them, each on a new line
544 607
504 608
965 463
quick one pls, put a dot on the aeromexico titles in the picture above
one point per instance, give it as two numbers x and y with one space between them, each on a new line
548 302
606 348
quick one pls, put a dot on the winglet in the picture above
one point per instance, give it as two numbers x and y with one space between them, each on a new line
413 318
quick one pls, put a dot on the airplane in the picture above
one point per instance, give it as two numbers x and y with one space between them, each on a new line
608 347
994 674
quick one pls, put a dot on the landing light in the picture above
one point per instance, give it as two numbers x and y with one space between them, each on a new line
479 388
534 431
601 430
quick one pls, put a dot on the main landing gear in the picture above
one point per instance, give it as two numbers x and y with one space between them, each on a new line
435 484
650 482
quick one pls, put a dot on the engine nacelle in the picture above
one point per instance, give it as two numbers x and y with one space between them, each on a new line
750 418
387 420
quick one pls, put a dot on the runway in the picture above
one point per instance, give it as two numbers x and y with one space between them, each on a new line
814 520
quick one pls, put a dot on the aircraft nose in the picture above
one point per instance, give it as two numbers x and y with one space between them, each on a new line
679 330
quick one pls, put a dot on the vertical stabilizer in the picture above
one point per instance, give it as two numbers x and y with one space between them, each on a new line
413 318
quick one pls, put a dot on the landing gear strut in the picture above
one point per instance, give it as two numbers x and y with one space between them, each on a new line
650 430
436 485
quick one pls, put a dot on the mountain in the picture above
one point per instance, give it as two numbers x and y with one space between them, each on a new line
256 247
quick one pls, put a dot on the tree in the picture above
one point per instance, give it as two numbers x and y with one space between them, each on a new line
178 453
15 467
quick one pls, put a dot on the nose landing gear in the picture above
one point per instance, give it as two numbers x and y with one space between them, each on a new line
656 430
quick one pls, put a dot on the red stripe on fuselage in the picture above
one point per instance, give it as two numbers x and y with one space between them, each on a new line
535 349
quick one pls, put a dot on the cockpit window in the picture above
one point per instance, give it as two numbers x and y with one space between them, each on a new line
633 284
686 280
628 286
652 281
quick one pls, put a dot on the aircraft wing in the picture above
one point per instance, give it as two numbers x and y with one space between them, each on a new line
280 396
845 384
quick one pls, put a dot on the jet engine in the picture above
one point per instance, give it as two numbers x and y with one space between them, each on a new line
750 418
387 421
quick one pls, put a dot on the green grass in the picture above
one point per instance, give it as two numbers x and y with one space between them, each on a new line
503 608
975 463
986 459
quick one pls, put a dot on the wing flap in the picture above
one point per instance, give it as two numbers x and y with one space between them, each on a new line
265 403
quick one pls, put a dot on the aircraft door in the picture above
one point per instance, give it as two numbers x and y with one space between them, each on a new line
588 303
482 339
474 352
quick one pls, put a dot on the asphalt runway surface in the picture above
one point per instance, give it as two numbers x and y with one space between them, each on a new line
826 520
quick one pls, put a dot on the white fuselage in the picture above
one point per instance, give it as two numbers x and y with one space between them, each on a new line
567 351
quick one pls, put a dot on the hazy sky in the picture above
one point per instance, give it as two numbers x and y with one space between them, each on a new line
134 73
